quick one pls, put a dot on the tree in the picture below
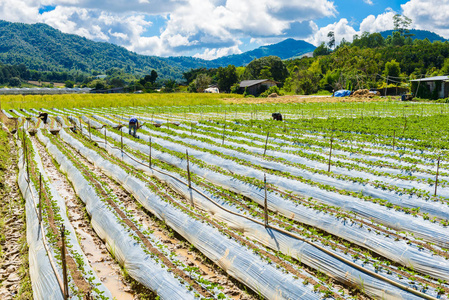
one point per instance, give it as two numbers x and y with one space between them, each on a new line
331 42
402 24
273 64
14 81
202 81
151 78
393 69
69 84
226 78
321 50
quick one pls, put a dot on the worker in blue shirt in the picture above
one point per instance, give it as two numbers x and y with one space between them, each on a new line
133 125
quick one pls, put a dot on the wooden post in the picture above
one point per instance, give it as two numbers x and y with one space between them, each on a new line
394 138
330 153
266 142
224 128
26 157
121 141
149 155
40 198
81 126
436 179
188 169
265 200
64 263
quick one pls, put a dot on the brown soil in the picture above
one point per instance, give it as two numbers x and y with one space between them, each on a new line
93 247
13 247
173 242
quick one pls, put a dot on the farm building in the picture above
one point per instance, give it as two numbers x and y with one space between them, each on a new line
437 84
255 87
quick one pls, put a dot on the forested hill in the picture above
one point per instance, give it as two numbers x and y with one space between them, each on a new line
418 35
286 49
41 47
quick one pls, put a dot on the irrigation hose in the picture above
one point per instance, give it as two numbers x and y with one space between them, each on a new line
344 260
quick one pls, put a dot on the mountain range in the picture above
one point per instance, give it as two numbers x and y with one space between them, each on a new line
41 47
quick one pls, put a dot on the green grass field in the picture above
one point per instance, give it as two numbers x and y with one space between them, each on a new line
111 100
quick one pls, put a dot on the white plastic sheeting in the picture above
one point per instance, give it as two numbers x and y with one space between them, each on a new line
71 238
238 261
398 251
314 149
125 249
7 114
437 209
400 221
43 279
17 113
274 239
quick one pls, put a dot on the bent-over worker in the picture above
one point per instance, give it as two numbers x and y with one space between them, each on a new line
43 116
133 125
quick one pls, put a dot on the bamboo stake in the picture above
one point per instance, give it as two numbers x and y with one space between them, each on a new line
64 263
188 169
330 153
121 141
265 200
189 179
149 155
224 128
394 138
436 179
266 142
40 199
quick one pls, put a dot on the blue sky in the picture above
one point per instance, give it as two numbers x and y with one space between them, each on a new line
212 28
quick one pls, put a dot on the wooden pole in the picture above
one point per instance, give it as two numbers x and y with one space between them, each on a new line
121 141
266 142
40 198
224 128
188 169
81 126
265 200
149 155
394 138
64 263
330 153
436 179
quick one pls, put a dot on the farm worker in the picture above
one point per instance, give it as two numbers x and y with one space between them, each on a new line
43 116
133 125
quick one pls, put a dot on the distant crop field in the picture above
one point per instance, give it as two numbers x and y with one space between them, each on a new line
110 100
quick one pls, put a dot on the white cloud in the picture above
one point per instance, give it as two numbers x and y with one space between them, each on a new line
428 15
210 54
211 27
376 24
341 30
369 2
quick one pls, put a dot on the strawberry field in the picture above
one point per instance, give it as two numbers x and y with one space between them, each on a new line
337 201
